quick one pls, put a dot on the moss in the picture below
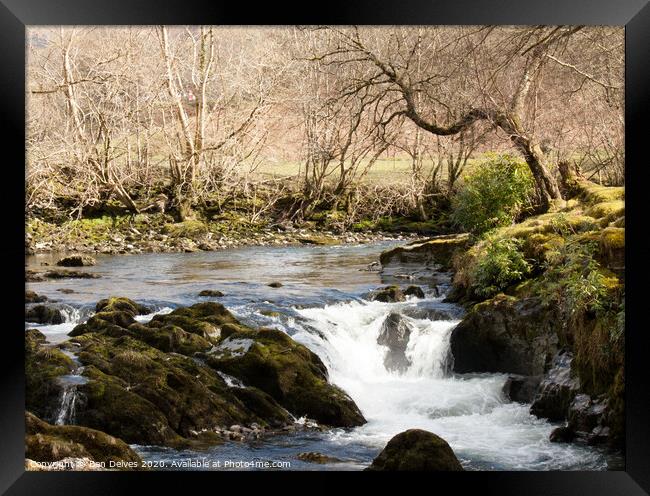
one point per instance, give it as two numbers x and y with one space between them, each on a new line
43 365
416 450
292 374
49 443
609 210
119 303
187 229
593 193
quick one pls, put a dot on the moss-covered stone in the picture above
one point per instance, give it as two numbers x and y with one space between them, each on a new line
288 371
387 294
49 443
122 304
188 229
43 365
416 450
438 250
43 314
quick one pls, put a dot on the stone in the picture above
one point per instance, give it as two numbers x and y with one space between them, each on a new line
387 294
506 335
394 334
557 390
416 450
521 389
76 261
414 291
44 314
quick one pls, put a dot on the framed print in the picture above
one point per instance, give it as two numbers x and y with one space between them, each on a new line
379 238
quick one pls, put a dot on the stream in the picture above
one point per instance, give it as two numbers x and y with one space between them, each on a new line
320 305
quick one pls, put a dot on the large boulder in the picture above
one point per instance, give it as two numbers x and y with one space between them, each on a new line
162 384
394 334
146 396
557 390
43 314
507 335
51 443
289 372
416 450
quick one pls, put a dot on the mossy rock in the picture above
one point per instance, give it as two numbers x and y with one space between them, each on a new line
609 210
118 303
32 297
188 229
593 193
387 294
146 396
77 261
612 248
211 293
44 364
288 371
170 338
49 443
438 250
43 314
416 450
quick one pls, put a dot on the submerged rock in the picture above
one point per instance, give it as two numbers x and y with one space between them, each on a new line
557 390
275 284
414 291
211 293
51 443
395 332
521 389
44 314
416 450
388 294
506 335
315 457
77 261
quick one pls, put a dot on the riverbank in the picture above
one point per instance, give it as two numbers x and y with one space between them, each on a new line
159 233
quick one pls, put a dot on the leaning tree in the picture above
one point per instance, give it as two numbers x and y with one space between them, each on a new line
486 74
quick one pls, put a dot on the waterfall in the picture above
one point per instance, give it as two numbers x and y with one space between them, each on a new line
469 411
67 408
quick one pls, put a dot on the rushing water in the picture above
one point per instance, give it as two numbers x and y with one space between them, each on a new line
321 305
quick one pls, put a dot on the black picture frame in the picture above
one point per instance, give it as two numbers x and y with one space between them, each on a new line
15 15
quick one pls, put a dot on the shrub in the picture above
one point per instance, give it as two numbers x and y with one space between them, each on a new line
499 265
575 280
494 194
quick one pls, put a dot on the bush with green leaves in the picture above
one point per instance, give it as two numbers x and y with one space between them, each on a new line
575 280
494 194
499 265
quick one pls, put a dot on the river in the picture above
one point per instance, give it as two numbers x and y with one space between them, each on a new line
320 304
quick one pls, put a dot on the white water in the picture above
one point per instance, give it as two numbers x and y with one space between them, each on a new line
469 412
